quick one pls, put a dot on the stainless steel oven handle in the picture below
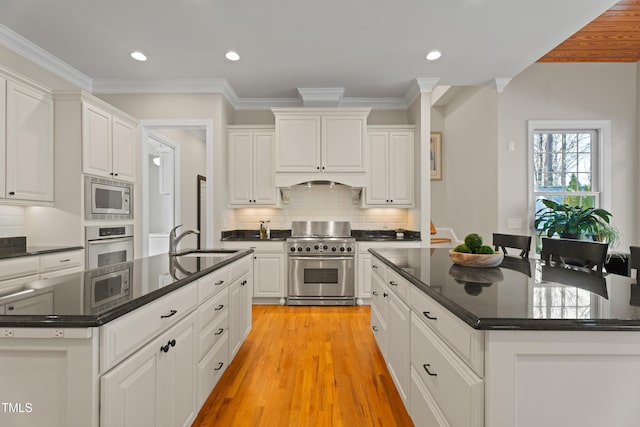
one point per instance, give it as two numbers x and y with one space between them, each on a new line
321 258
105 241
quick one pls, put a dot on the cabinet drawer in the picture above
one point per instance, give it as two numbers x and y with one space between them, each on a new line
467 342
123 336
17 267
397 284
457 390
240 267
378 268
378 292
60 260
213 283
211 368
213 320
379 329
424 410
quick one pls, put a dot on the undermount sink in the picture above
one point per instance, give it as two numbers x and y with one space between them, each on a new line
209 254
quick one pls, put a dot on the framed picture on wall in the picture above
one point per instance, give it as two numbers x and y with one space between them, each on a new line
436 156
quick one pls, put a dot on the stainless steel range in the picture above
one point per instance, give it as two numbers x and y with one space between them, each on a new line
321 263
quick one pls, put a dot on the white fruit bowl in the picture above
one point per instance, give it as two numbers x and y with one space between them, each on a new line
476 260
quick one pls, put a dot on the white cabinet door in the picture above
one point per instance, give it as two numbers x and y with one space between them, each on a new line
29 144
263 176
400 172
377 192
124 150
364 277
269 275
240 167
343 143
240 309
156 385
298 143
398 334
3 133
96 141
251 172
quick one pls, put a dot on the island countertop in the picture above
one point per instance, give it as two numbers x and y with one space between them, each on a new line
77 305
520 294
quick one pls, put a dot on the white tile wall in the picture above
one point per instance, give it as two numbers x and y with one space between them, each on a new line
321 203
11 221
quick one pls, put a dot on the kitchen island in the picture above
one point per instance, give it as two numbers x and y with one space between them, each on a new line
522 344
138 343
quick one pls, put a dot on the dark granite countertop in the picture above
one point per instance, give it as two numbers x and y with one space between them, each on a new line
35 250
360 235
521 294
77 305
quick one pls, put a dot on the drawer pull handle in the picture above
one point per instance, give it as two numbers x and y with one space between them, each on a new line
65 260
375 328
426 367
375 293
220 307
392 283
220 365
171 313
219 282
10 308
220 330
428 316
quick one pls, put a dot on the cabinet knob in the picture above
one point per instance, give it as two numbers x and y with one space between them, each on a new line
10 308
164 348
318 167
172 343
384 295
12 193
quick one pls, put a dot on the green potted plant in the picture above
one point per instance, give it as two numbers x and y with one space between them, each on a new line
575 222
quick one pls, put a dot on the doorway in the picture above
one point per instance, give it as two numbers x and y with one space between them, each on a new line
192 142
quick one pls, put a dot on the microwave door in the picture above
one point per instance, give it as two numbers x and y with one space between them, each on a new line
106 199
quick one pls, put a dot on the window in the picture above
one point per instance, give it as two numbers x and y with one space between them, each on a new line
566 163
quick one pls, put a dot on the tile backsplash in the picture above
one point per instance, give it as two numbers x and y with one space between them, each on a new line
11 221
320 203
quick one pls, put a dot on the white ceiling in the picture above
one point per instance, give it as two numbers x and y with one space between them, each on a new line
372 48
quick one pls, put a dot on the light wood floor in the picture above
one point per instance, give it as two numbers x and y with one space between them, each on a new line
306 366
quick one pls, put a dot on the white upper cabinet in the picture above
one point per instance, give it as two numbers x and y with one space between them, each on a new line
27 124
391 177
320 140
108 143
251 174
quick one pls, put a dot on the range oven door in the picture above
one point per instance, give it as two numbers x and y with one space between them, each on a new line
317 278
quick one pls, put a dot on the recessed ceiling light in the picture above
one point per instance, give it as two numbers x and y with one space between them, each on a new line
232 56
138 56
433 55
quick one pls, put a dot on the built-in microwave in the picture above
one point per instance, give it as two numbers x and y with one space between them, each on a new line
107 199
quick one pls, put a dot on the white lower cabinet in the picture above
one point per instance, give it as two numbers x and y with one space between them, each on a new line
156 385
240 294
211 368
397 356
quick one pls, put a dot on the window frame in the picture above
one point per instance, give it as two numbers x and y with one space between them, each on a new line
603 149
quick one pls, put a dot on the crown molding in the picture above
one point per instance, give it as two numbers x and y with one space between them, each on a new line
419 86
321 96
28 50
498 84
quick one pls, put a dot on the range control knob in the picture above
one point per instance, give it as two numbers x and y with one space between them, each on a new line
292 249
325 247
316 247
349 249
342 249
299 248
308 249
333 249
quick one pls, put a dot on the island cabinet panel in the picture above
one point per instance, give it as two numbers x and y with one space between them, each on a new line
456 389
156 385
213 318
211 368
398 332
123 336
240 295
580 378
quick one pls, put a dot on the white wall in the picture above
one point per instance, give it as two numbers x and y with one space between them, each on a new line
563 92
466 199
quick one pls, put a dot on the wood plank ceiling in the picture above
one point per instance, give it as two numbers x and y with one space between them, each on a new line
614 36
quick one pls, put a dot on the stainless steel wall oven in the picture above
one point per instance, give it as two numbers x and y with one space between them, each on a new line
108 245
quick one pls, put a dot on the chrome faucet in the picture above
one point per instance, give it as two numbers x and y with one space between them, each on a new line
173 240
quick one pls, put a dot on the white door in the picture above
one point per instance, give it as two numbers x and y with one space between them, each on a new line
240 167
298 143
377 192
263 174
29 144
96 141
3 124
268 277
401 168
343 143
